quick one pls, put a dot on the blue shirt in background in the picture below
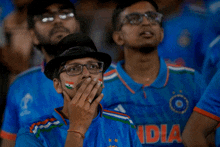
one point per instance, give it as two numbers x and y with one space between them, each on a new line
183 34
160 110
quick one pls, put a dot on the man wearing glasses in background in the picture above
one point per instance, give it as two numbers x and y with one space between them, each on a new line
158 98
32 94
77 73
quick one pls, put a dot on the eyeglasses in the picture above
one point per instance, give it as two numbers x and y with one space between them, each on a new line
76 69
137 18
49 17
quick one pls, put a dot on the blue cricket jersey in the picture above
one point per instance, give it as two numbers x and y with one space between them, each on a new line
209 105
212 60
183 34
160 110
6 7
108 129
30 96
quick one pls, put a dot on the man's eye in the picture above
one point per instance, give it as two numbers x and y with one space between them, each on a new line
72 69
63 16
133 18
93 66
46 19
66 15
71 14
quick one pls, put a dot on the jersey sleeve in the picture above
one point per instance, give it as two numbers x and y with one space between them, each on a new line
135 142
10 124
27 139
209 104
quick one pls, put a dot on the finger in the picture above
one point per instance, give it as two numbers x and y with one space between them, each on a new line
96 102
81 89
88 91
93 93
87 104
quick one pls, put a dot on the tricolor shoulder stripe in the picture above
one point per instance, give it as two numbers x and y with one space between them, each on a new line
113 65
181 70
118 117
111 75
44 126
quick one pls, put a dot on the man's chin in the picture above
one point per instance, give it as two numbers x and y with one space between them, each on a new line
58 36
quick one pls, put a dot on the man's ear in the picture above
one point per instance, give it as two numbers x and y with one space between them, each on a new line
117 36
33 36
57 85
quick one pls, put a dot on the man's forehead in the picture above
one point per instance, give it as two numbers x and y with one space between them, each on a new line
140 7
55 8
82 60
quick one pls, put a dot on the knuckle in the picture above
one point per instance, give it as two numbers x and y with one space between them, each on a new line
86 92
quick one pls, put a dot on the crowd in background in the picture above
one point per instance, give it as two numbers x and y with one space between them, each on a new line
191 29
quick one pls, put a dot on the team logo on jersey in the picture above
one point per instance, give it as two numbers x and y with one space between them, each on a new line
120 108
26 100
184 39
179 104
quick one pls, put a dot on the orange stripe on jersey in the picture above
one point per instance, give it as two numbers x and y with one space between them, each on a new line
41 123
116 113
61 116
206 113
110 72
126 85
173 65
9 136
218 126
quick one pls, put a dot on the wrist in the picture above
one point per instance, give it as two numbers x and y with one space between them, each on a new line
76 133
78 128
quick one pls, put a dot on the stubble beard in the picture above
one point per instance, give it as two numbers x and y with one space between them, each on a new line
145 49
48 44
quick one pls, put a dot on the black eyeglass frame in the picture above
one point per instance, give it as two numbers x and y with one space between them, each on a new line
127 20
64 68
63 14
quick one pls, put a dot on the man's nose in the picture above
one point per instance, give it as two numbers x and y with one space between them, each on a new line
85 71
57 19
146 21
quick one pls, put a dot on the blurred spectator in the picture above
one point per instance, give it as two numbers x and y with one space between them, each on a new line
95 17
212 60
205 117
183 29
19 53
32 94
212 40
101 29
6 7
212 43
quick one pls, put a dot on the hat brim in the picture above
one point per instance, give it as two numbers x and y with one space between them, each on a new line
55 63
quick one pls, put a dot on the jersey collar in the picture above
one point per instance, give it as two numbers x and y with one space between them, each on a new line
132 86
60 117
43 64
